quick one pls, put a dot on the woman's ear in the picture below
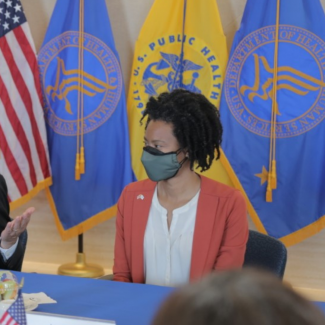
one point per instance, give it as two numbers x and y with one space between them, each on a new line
185 151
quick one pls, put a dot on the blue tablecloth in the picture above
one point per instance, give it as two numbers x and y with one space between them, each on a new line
125 303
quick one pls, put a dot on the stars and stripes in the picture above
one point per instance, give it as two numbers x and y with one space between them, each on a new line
11 16
15 314
23 148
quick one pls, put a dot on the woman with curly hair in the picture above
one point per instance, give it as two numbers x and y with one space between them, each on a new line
178 225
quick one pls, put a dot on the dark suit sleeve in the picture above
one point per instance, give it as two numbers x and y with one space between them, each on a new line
16 260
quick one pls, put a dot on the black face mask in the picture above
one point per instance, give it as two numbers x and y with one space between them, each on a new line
159 165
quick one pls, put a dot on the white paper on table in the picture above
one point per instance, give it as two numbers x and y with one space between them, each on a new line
54 319
39 298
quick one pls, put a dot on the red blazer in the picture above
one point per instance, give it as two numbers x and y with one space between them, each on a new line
220 235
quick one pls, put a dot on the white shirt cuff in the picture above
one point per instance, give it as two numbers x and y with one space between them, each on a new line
7 253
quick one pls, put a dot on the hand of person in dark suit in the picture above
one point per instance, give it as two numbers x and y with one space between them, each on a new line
14 228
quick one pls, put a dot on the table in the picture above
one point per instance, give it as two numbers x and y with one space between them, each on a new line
125 303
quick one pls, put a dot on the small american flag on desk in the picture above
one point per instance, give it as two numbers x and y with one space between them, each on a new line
23 146
15 314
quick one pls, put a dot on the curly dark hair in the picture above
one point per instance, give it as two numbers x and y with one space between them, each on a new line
238 297
196 123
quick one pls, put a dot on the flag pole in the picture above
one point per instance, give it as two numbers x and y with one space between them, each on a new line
81 268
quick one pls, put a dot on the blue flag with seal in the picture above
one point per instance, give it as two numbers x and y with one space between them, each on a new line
273 110
86 116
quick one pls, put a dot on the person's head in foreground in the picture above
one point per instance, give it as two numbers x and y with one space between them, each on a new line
184 125
238 297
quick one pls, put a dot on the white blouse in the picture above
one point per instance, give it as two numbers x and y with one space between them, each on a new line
167 253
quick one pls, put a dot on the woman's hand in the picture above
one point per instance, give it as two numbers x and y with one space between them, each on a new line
14 228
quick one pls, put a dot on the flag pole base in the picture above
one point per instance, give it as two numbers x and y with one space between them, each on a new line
81 268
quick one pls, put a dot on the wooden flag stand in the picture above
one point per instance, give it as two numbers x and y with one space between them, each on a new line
81 268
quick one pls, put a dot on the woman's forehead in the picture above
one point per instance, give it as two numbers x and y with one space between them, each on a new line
159 130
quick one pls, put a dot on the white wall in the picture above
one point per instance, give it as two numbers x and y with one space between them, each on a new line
305 266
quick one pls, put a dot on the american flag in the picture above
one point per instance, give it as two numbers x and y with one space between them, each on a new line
23 146
15 314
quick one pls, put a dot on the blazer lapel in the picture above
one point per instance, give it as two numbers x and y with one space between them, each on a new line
141 207
204 226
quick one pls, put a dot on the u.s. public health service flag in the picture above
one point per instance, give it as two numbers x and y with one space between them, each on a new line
86 115
181 45
275 77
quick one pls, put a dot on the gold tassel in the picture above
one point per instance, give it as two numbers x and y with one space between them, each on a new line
274 176
77 168
82 160
269 194
269 189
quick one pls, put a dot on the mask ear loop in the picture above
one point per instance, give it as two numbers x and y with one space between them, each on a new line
185 158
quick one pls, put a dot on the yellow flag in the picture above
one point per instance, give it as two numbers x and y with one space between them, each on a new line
181 45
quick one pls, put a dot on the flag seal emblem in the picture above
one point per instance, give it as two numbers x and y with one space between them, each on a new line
63 79
163 66
249 91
